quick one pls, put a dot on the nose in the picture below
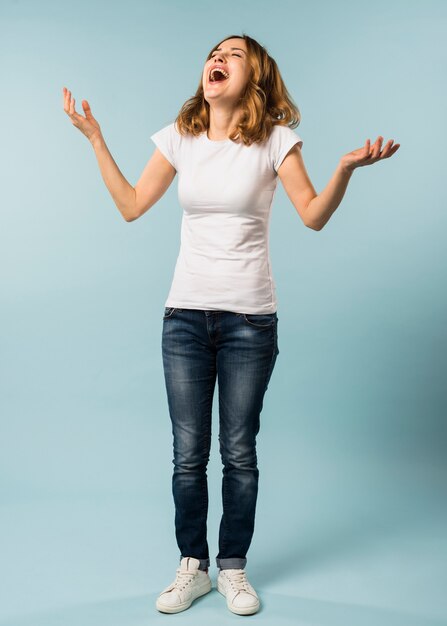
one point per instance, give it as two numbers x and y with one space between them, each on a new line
217 56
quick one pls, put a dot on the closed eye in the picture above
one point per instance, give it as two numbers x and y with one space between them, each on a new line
234 54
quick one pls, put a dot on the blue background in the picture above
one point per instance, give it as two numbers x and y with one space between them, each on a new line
352 508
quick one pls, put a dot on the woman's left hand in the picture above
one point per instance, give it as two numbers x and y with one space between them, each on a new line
368 154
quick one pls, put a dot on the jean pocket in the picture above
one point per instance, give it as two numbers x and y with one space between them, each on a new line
169 312
263 320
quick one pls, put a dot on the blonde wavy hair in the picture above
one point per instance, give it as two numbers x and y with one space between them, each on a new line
264 103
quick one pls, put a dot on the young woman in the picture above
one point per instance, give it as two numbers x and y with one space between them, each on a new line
229 144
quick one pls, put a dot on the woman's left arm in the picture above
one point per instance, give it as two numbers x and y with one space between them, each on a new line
317 210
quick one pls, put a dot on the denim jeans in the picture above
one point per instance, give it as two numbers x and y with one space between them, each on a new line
240 349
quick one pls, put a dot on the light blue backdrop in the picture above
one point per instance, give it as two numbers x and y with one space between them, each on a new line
352 449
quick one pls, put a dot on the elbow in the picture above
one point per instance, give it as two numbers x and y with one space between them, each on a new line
314 226
126 216
309 223
133 215
130 213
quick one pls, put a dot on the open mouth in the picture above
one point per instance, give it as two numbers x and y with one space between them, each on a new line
218 75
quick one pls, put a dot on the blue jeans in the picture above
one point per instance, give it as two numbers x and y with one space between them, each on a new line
241 350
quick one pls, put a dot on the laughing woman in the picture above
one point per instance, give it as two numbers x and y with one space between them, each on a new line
229 144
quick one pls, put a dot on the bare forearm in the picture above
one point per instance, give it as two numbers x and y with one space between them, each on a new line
320 208
121 190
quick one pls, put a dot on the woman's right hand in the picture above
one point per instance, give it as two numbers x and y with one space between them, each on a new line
87 125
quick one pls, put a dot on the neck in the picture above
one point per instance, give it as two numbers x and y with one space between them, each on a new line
222 122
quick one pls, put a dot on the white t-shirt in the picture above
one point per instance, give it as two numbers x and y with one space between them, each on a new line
226 191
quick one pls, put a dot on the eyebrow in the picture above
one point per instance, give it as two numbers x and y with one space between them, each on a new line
219 49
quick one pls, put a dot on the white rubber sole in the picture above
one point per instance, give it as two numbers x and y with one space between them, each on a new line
200 591
239 611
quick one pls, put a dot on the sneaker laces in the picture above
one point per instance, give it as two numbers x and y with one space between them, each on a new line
238 580
182 579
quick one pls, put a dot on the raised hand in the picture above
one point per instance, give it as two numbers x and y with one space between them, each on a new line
87 125
369 155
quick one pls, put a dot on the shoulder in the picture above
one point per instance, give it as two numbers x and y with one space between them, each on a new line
169 130
281 132
168 141
281 141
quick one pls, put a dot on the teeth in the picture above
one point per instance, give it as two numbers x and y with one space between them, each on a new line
218 69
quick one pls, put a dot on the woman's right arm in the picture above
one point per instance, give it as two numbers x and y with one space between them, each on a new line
132 202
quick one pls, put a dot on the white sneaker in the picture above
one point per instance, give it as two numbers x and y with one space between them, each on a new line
241 597
190 583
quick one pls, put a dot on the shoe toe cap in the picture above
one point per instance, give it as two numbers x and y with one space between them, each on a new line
245 601
170 598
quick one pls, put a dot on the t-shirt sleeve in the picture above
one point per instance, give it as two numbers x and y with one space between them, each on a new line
283 139
166 141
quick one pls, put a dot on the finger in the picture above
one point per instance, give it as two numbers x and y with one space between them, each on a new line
377 146
66 100
387 148
70 109
74 115
87 110
392 150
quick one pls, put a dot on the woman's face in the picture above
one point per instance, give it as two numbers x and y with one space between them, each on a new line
231 56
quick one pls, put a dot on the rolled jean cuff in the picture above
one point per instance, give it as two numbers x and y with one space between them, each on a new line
232 563
204 563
